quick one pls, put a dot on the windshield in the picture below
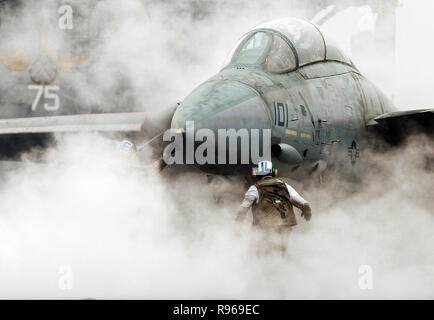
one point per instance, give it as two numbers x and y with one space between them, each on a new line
266 50
253 50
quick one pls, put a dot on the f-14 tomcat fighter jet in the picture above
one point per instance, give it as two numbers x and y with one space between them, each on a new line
285 76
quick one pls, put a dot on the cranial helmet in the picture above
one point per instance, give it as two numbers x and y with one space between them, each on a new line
127 147
264 168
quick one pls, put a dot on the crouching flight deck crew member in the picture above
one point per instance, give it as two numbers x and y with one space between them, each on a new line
272 202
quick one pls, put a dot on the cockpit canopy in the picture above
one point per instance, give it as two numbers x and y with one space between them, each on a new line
284 45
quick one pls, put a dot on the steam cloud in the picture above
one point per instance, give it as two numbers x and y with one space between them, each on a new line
125 232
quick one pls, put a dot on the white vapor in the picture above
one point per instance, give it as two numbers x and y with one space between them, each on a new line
126 232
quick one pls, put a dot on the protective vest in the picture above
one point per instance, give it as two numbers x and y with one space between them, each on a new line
273 208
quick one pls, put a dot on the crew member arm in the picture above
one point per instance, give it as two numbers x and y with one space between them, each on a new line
250 197
297 200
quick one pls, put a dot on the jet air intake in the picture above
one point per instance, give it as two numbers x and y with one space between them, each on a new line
286 153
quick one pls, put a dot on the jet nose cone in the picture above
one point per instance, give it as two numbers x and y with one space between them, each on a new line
223 105
225 123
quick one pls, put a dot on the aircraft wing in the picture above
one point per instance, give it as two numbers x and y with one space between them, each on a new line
21 134
115 122
149 123
396 126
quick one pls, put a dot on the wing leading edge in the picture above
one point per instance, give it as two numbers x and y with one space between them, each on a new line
112 122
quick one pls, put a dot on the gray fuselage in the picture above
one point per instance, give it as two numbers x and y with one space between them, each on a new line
321 110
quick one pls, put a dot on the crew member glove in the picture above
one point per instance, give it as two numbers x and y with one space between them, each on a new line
306 212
